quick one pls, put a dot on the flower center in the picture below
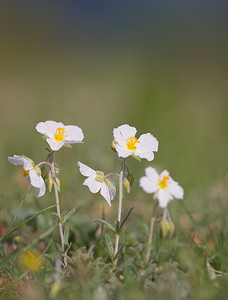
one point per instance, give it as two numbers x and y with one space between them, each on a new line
163 183
26 173
131 143
100 176
60 134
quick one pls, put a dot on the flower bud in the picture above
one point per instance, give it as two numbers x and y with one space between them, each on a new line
167 228
130 178
44 173
113 146
58 183
127 184
49 181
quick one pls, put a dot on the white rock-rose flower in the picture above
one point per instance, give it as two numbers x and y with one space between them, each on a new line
97 181
127 144
57 134
164 187
31 172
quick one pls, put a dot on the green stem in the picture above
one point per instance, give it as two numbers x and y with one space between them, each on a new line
152 221
57 204
119 208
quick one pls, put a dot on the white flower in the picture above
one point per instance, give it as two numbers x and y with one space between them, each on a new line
97 181
31 172
58 134
164 187
127 144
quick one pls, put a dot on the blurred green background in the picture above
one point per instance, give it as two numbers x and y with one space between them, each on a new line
160 66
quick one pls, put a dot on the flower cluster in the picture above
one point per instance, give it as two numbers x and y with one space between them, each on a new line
125 143
57 135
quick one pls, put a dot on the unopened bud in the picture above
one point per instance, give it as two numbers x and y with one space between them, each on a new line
127 184
49 181
44 173
57 170
130 178
113 146
58 183
167 228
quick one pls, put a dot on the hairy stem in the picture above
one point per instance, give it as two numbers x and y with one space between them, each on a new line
120 207
152 221
57 203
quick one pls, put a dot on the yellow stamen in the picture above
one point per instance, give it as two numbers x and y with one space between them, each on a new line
60 134
163 183
131 143
26 173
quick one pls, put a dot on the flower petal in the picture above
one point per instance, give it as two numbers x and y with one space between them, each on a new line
176 190
122 151
164 197
123 132
36 180
17 160
147 144
48 128
85 170
74 134
55 146
92 184
105 193
152 173
148 185
41 190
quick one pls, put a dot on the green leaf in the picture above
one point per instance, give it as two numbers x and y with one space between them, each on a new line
66 235
110 247
26 221
59 247
68 215
125 218
108 225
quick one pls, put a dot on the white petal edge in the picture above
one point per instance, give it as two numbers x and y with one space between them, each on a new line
123 132
147 185
146 146
55 146
17 160
48 128
93 185
105 193
85 170
164 197
74 134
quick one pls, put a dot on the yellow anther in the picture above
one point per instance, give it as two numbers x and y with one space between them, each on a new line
131 143
60 134
163 183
